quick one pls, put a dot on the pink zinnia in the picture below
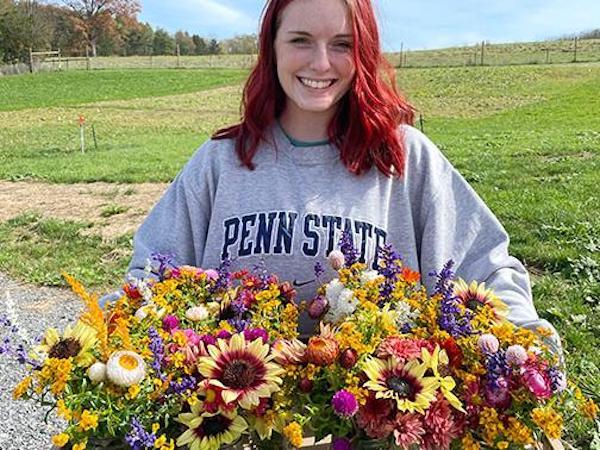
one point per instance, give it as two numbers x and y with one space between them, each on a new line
374 417
402 349
440 425
408 430
344 404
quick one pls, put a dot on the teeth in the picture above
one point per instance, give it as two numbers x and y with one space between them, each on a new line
316 84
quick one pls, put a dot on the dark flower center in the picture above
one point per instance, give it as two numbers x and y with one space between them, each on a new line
65 348
239 374
401 386
211 426
473 304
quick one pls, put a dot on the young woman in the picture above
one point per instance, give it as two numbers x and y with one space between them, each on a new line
325 145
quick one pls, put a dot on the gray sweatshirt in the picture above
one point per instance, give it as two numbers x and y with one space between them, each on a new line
290 211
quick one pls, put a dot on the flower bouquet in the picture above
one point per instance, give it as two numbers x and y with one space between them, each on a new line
395 368
209 359
186 360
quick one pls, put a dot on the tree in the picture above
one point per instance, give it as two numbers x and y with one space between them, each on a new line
214 48
185 42
21 27
95 18
245 44
200 47
139 40
163 43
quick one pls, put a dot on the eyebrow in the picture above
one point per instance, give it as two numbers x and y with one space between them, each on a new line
305 33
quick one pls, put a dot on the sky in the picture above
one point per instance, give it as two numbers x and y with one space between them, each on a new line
417 24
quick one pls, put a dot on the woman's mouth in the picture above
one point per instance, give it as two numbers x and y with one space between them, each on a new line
316 84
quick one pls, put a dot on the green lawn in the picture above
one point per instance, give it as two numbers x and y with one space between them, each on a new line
526 137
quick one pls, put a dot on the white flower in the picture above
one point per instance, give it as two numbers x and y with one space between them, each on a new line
369 275
197 313
341 306
97 372
405 315
125 368
333 289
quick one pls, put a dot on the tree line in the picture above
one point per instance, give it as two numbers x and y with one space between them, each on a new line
98 27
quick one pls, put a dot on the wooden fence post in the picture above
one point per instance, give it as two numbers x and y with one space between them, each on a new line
30 60
575 51
178 50
482 51
401 50
87 59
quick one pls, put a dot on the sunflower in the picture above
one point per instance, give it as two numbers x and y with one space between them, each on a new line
403 383
475 296
77 343
242 370
208 431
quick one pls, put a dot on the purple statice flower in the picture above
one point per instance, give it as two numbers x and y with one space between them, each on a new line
497 368
255 333
239 323
558 380
497 380
138 438
188 383
341 443
319 270
238 308
390 269
224 279
11 348
347 248
344 404
261 272
157 349
160 262
451 318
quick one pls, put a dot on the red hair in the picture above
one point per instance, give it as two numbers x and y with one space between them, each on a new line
365 124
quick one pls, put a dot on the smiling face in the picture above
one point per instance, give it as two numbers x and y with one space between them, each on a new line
313 49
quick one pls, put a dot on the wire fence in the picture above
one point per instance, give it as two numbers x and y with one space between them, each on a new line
483 54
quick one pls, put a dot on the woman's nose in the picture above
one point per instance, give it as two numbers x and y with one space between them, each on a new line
320 61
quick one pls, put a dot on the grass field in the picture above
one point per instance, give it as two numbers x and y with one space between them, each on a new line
526 137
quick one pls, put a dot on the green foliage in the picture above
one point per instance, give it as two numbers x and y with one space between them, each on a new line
37 250
113 210
78 88
163 43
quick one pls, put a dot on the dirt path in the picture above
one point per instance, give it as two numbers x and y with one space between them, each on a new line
113 209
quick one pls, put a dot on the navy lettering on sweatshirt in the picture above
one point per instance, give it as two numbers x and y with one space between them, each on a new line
280 232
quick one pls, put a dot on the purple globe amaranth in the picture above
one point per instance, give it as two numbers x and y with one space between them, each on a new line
170 323
344 404
341 443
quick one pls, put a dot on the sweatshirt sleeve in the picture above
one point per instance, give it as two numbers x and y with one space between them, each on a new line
178 223
456 224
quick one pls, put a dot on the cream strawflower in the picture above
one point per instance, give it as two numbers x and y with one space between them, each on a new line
197 313
97 372
125 368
